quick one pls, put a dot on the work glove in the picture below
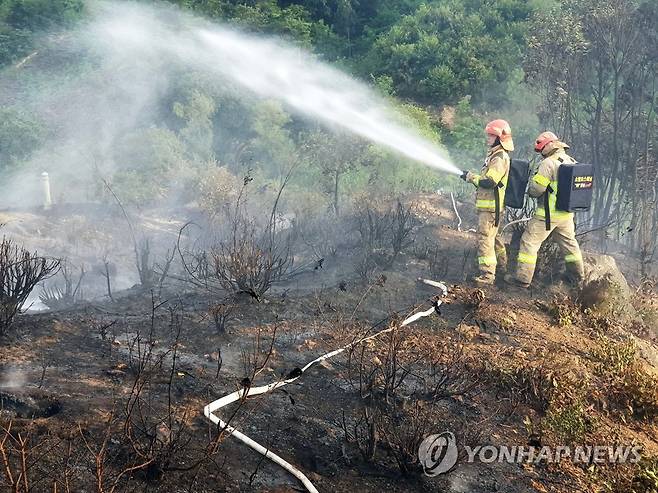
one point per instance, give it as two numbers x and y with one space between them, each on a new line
468 177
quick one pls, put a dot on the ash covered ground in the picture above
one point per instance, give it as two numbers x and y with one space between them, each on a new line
107 391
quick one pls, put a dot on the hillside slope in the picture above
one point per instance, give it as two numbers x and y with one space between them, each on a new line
117 388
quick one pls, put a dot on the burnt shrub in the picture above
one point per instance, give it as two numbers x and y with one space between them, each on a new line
20 272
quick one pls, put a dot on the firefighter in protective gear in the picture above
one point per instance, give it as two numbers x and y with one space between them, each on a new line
548 220
490 199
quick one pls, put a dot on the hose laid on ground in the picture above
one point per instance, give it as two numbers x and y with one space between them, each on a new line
459 224
454 206
209 410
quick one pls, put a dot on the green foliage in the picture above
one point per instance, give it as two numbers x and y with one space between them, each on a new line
386 173
20 134
201 123
353 23
233 130
328 158
271 145
629 389
441 53
564 311
527 62
39 14
464 135
196 111
385 85
420 120
570 423
267 16
646 477
22 20
594 64
614 357
147 162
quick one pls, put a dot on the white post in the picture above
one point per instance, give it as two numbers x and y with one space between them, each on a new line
45 186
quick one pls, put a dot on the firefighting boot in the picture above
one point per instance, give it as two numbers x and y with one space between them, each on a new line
512 281
484 280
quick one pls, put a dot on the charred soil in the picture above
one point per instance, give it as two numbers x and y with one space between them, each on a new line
109 395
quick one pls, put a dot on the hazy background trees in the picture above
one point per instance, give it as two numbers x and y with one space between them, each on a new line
583 68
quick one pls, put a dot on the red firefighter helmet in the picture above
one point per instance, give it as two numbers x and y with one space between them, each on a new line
502 130
544 139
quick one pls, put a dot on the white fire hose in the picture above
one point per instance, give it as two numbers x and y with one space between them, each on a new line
210 409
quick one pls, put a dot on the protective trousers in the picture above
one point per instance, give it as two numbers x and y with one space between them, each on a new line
491 249
564 234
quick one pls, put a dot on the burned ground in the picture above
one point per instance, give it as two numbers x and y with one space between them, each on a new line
111 393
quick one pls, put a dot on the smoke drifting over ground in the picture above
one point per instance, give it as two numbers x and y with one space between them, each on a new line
132 56
12 378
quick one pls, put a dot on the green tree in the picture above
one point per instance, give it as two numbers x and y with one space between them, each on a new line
334 155
442 52
595 66
272 145
268 16
20 134
464 134
148 164
22 20
196 112
385 172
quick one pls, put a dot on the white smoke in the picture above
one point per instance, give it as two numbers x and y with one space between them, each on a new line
268 68
12 378
132 54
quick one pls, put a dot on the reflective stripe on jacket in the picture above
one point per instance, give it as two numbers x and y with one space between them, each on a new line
547 175
496 166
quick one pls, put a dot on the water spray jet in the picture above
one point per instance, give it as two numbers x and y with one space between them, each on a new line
269 68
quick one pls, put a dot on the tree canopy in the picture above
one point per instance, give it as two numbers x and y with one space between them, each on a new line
585 69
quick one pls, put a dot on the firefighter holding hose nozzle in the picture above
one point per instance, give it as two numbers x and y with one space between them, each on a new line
489 199
549 219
